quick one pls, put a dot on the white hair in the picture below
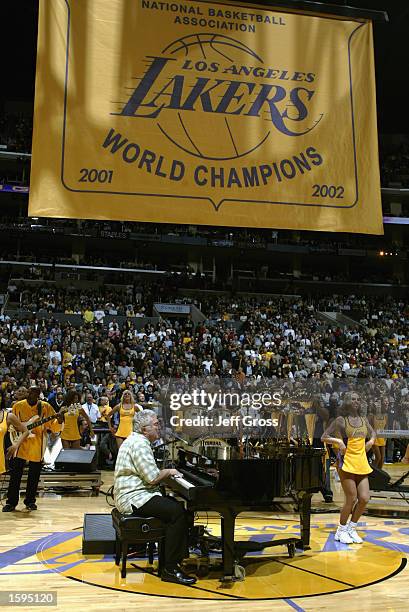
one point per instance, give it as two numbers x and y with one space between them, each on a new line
143 419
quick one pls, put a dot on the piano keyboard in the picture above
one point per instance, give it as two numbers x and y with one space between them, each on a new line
183 482
393 433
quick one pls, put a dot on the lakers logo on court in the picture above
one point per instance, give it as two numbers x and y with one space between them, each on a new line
329 567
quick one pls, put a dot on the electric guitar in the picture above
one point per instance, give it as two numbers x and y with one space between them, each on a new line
32 423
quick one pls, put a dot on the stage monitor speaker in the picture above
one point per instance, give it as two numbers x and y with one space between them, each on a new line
378 479
74 460
98 536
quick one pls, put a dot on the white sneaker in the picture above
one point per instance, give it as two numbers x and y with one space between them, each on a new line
342 535
354 535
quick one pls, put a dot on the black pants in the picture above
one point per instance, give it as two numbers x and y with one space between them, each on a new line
173 514
106 444
326 489
16 472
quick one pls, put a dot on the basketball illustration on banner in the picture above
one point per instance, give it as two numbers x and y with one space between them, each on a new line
208 53
209 83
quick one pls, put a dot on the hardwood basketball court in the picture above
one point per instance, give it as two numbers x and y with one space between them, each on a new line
42 551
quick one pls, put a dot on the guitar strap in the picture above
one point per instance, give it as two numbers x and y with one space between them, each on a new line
43 441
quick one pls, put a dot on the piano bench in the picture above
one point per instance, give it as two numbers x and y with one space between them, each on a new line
131 529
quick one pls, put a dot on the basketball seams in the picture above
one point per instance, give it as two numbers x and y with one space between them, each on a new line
231 136
218 39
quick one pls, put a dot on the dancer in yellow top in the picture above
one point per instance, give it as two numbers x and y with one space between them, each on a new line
126 408
352 464
379 422
104 408
70 435
7 419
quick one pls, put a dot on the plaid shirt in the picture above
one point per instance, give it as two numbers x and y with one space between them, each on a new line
135 468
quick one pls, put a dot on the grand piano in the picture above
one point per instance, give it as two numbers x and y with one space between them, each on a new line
291 476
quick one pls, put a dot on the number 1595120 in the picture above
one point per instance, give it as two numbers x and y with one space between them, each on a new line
24 598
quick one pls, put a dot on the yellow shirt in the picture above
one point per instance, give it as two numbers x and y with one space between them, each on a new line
3 431
68 373
125 422
104 411
355 461
32 448
67 358
71 431
380 423
88 316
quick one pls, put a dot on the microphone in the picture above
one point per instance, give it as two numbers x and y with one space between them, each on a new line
169 432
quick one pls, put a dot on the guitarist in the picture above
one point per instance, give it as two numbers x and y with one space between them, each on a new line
30 450
7 419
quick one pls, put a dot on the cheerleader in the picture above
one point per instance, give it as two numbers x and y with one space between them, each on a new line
379 421
71 435
104 408
126 408
352 464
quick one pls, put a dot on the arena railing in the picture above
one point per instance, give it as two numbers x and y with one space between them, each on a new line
77 320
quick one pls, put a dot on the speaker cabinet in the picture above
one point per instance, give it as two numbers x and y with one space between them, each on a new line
74 460
378 479
98 536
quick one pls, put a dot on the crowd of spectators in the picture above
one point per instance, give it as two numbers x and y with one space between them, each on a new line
93 304
138 251
171 279
16 132
241 343
83 302
214 236
395 166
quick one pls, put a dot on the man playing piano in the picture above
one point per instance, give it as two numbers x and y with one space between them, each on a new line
136 491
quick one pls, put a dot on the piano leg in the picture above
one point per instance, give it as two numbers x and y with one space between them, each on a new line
190 517
304 500
228 519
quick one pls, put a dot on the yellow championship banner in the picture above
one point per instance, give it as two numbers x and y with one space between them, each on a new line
205 113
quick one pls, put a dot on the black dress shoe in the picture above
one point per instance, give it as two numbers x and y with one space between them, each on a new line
8 508
176 575
31 506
